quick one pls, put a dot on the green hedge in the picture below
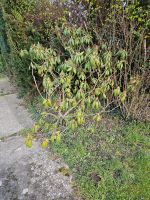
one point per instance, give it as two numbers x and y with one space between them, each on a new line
22 24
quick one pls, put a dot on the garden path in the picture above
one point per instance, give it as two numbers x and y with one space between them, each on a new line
26 174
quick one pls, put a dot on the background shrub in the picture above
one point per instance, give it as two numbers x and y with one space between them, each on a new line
119 37
25 23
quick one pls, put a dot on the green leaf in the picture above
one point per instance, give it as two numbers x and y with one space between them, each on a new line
117 92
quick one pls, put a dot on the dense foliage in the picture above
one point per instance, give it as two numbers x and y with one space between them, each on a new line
83 57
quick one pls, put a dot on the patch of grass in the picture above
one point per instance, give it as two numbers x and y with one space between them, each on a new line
3 94
110 161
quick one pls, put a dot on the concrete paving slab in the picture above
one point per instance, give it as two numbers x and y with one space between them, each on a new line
31 174
26 174
13 116
6 87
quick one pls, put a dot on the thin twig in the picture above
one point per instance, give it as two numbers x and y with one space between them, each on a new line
36 84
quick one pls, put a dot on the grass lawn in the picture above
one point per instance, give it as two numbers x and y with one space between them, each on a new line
109 161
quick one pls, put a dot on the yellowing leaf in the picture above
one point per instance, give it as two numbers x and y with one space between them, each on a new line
98 118
56 137
28 141
123 96
35 128
47 103
73 125
53 137
45 143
